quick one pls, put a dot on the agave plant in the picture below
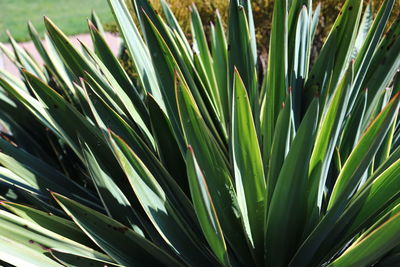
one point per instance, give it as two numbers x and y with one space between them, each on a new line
204 160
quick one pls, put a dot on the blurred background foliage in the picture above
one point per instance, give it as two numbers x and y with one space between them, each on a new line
262 12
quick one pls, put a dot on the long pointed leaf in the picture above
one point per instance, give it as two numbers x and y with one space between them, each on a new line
205 209
248 166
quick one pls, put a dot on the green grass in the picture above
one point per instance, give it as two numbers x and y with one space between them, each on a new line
69 15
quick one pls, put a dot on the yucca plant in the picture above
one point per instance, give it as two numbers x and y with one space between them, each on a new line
202 161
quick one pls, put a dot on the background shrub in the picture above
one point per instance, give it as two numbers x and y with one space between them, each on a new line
262 12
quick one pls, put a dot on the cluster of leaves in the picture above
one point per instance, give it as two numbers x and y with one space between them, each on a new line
262 15
207 162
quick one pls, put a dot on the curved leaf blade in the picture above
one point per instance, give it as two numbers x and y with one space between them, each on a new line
116 239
